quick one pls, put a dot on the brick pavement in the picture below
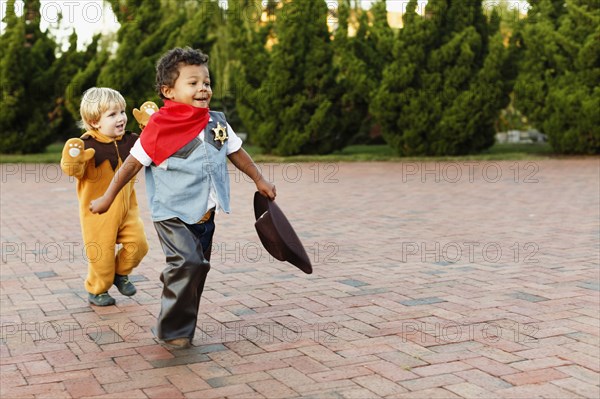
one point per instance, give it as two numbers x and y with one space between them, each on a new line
437 280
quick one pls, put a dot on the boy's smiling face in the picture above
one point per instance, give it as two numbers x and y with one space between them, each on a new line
191 87
112 121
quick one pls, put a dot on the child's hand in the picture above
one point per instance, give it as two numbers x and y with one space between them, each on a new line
74 152
266 188
100 205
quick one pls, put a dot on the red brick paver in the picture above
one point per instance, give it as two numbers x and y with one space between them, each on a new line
431 280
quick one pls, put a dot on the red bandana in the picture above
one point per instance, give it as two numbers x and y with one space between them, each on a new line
171 128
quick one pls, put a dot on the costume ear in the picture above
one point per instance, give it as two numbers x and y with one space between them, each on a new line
142 115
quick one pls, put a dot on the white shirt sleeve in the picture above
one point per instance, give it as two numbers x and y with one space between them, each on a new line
234 143
138 153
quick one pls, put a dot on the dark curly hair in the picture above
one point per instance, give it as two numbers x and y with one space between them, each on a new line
167 67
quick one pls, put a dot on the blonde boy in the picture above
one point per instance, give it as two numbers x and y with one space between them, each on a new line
94 159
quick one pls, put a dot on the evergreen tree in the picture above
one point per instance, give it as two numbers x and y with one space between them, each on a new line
199 22
450 77
140 41
148 29
203 27
12 118
222 58
246 69
360 59
64 71
25 71
90 62
297 101
558 87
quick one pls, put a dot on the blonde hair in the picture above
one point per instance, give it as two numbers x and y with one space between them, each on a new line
95 102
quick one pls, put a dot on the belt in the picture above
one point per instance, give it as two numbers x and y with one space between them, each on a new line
206 216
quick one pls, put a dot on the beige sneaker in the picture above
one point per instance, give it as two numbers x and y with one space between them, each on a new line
178 343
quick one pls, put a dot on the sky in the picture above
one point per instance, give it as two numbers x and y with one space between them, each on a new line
89 17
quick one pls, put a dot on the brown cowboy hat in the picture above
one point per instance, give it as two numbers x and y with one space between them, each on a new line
277 235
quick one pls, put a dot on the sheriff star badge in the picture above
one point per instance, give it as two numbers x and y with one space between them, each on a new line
220 133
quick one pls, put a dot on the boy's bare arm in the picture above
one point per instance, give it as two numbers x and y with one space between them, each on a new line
126 172
244 162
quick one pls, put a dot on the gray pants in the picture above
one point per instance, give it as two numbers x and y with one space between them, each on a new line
187 249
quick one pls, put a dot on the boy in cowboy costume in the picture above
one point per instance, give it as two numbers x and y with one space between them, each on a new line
185 148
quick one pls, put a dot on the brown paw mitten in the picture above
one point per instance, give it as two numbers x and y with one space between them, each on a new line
142 115
74 156
74 151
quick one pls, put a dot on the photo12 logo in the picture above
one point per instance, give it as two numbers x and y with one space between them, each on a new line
254 252
315 172
469 171
455 252
52 252
32 173
46 173
71 12
453 332
268 332
64 331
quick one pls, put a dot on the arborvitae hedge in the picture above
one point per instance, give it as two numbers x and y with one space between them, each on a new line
558 87
434 88
296 105
25 75
450 78
360 59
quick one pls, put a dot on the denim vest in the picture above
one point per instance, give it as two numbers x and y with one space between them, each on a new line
179 187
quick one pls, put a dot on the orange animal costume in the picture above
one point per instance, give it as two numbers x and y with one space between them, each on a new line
94 160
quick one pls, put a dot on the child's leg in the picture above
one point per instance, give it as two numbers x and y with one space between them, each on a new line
183 280
100 252
204 232
134 243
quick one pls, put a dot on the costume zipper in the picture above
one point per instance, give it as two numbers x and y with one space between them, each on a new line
119 164
118 155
